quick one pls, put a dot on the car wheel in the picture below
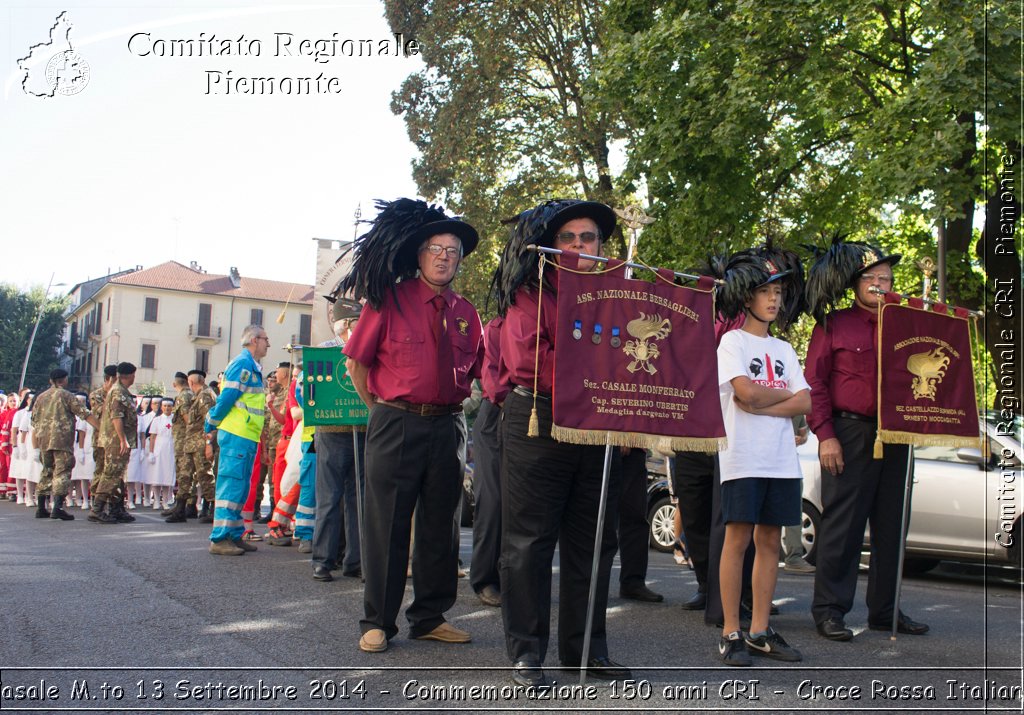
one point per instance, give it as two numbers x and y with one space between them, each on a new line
663 530
917 565
810 525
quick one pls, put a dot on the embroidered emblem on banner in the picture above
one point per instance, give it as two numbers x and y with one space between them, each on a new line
646 328
928 370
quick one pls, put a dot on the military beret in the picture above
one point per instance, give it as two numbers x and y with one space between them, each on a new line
125 368
180 376
197 372
284 364
110 371
58 374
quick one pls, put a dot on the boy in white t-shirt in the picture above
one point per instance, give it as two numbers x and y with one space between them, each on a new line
761 386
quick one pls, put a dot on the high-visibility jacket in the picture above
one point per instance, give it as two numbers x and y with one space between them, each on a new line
240 406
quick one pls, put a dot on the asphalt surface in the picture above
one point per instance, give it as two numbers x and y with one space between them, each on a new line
140 618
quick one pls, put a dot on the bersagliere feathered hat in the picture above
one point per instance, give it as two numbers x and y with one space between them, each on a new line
747 270
387 252
836 268
537 226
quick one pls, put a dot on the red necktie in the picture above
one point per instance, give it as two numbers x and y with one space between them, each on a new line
445 361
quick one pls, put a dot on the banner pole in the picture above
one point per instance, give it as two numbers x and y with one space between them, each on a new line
903 539
585 655
604 259
356 463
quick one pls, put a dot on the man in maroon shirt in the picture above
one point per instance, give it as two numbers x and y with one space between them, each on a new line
549 490
842 370
412 357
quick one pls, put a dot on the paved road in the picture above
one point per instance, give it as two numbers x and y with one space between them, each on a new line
140 616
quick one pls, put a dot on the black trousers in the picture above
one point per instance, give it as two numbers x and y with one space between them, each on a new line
869 491
634 529
550 495
714 613
336 533
693 480
487 498
412 463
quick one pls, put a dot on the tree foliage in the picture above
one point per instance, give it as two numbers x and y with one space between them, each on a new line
18 311
505 113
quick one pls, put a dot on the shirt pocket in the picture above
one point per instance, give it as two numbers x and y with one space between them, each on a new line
855 353
407 347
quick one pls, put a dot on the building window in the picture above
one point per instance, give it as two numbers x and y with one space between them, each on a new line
305 329
256 317
203 360
151 308
108 310
104 355
99 315
148 356
205 315
88 365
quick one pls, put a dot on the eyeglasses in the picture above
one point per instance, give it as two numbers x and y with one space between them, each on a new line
436 250
262 337
566 237
872 277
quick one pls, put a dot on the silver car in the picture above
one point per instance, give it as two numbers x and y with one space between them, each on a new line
965 507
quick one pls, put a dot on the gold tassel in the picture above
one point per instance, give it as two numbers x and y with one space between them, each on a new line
878 448
534 429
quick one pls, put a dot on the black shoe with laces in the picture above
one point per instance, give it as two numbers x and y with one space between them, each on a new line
733 650
771 645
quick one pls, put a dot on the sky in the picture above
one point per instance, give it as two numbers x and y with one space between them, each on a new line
151 160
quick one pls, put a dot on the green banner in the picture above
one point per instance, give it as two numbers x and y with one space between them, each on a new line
328 395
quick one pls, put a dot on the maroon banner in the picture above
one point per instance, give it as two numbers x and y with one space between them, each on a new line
926 377
635 362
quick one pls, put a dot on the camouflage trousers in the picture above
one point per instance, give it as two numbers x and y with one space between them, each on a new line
196 479
110 484
56 475
97 458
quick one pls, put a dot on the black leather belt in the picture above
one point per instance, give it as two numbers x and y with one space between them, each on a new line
853 416
520 390
422 410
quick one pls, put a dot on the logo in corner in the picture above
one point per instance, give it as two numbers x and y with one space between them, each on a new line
928 370
54 67
643 350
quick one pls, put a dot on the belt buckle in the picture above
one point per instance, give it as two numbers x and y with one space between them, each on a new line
424 410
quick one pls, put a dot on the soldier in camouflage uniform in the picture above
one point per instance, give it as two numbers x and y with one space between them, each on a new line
96 399
195 443
182 464
53 423
119 434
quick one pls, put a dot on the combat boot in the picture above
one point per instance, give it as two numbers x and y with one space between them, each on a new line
177 515
120 513
171 509
98 514
57 510
191 512
206 515
41 511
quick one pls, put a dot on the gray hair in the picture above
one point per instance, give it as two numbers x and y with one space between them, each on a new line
250 332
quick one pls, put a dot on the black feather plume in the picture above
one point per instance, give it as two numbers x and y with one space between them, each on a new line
386 253
834 271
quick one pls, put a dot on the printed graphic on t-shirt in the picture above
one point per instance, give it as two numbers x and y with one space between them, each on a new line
773 370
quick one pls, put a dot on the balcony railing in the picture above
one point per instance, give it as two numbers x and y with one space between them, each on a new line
209 337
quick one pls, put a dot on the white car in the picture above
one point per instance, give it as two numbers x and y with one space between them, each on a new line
965 507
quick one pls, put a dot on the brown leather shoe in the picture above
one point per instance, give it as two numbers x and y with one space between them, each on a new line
446 633
374 641
489 596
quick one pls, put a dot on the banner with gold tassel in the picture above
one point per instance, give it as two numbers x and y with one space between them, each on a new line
926 393
635 362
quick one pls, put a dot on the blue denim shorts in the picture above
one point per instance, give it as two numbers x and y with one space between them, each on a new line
762 501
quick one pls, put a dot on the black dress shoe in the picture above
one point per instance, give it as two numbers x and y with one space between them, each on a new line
605 668
640 592
834 629
904 624
322 573
696 602
529 674
357 572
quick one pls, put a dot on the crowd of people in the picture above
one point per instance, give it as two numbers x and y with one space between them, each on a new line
419 356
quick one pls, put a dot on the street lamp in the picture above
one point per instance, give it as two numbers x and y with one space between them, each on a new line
35 328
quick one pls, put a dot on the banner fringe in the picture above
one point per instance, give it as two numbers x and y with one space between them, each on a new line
709 445
928 440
